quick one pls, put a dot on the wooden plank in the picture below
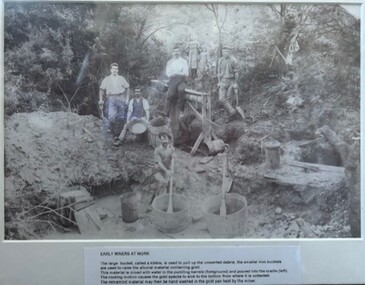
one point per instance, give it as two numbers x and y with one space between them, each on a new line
280 53
317 167
206 127
186 90
195 111
88 220
191 91
294 175
200 116
197 144
214 135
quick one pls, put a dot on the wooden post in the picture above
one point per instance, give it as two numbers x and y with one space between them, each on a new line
272 154
205 123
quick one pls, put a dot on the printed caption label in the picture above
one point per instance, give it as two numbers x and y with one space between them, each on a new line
192 265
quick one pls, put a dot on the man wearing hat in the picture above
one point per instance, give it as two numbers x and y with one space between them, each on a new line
138 108
115 89
177 70
227 79
163 156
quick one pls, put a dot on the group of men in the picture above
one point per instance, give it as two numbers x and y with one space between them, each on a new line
116 105
114 91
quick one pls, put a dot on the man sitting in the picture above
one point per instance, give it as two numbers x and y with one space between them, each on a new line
163 155
138 108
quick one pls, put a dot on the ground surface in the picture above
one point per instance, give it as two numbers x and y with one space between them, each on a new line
47 152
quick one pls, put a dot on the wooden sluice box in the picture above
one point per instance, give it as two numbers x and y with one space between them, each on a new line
76 206
305 176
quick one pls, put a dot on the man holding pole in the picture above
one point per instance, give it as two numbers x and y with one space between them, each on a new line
163 155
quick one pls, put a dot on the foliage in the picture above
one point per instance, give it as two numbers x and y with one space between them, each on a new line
64 50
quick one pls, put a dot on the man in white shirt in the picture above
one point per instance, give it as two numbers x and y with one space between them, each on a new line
138 108
114 89
177 70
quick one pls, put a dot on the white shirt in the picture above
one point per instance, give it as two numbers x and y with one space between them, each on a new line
114 84
177 66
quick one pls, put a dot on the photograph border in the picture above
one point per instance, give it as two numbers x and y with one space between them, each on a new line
323 261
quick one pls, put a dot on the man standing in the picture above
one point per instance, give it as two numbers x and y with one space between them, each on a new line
115 90
138 108
227 79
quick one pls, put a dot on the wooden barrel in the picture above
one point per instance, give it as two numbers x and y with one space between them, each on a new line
129 203
173 222
72 198
226 226
156 127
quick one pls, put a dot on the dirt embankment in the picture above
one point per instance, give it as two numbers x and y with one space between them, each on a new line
47 152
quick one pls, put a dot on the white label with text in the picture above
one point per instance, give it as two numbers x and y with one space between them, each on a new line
193 265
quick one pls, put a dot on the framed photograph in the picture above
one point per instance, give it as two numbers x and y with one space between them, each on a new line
181 124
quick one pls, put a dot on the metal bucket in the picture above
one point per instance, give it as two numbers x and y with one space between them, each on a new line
272 154
173 222
158 126
213 147
129 201
228 226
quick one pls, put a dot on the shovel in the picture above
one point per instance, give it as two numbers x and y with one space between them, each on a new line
169 207
228 181
223 208
238 108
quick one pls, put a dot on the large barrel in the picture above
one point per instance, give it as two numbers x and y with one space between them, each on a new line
158 126
173 222
226 226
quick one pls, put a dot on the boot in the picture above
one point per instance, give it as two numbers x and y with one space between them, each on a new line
120 139
230 111
122 134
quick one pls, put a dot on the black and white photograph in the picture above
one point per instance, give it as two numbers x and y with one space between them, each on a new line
173 121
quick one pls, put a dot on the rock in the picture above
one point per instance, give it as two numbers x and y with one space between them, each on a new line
102 212
305 230
346 229
205 160
278 210
292 231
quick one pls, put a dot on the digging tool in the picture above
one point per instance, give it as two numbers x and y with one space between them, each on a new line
101 109
238 108
228 178
223 208
169 207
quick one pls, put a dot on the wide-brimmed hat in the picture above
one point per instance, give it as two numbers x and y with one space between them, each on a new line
164 134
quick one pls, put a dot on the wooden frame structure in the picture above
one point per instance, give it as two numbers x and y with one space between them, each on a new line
205 116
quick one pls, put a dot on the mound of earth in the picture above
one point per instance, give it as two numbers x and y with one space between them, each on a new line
48 152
